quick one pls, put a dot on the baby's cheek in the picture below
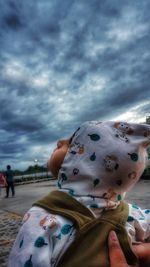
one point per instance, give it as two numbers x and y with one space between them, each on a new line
48 163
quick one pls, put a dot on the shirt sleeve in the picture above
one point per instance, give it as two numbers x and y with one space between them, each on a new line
138 224
41 240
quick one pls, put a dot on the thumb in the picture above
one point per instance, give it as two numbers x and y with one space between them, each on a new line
116 256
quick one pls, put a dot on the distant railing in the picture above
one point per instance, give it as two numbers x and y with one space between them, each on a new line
33 177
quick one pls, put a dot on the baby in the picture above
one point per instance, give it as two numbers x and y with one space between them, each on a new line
70 226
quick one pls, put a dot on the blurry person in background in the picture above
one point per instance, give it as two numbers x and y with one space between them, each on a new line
10 181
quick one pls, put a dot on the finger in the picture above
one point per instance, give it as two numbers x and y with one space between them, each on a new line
142 250
143 253
116 255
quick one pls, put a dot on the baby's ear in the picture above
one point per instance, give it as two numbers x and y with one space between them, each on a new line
116 124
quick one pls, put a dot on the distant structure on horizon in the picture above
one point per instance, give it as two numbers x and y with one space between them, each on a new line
148 120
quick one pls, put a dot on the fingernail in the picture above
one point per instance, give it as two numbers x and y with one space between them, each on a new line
113 236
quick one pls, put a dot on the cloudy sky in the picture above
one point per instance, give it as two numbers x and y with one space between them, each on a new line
65 62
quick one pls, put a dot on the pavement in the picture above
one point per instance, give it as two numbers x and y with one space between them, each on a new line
12 209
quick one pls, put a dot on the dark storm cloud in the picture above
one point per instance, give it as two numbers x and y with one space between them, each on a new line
62 63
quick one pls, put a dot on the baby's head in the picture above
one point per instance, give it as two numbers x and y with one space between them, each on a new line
101 158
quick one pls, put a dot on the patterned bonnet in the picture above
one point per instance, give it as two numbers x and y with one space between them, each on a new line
104 160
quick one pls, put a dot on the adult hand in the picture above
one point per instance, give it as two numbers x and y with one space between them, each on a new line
143 253
116 256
